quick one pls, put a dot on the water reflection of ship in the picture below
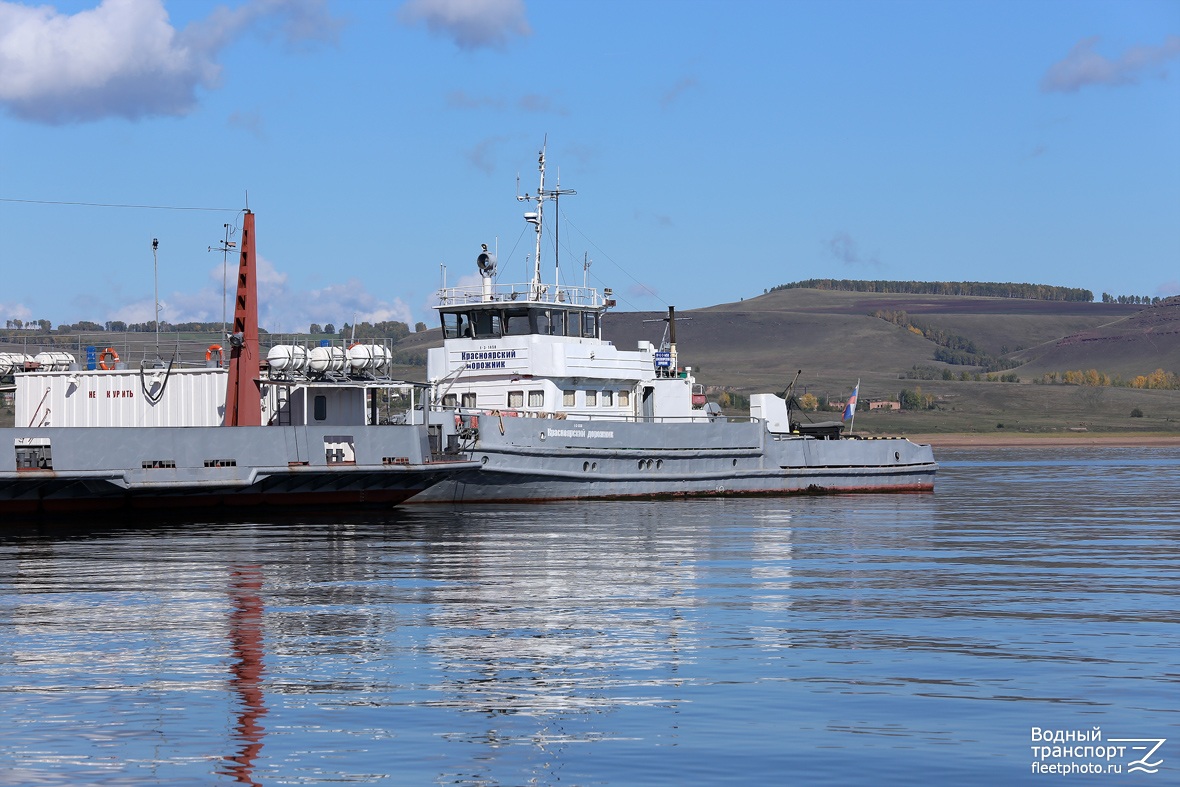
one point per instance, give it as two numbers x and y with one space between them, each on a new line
541 626
246 642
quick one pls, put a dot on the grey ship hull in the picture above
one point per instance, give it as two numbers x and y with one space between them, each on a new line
90 469
527 459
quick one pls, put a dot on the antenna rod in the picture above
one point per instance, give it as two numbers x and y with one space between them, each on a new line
224 278
540 212
156 281
557 235
556 194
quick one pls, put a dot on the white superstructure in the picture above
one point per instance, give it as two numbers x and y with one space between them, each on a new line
535 349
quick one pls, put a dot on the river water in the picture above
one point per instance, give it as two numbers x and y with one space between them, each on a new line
880 639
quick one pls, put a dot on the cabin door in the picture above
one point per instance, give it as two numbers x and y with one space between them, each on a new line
649 403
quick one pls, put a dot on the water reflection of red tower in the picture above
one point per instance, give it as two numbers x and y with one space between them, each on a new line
245 636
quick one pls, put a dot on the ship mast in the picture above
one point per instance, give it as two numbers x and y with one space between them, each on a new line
536 218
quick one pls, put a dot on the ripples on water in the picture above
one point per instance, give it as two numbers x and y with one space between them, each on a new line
839 640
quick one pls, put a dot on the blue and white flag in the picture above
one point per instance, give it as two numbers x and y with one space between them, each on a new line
850 408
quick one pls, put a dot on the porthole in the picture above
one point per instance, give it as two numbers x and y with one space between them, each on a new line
735 463
594 466
897 456
484 460
640 464
659 463
585 466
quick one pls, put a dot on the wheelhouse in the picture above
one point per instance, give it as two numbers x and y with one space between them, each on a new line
495 322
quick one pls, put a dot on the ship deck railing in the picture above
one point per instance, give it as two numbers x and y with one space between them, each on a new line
523 294
481 412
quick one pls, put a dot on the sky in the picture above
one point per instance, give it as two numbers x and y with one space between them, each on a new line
717 149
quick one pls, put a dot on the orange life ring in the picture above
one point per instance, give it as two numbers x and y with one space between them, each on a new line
102 358
215 348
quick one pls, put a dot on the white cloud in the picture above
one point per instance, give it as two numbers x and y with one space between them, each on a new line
346 303
281 309
139 311
1083 66
15 311
471 24
124 58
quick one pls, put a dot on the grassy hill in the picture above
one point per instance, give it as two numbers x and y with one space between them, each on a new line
758 345
755 341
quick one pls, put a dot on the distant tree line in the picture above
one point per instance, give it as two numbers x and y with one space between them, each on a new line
29 325
1039 292
117 326
933 373
1157 380
1145 300
952 348
393 329
389 329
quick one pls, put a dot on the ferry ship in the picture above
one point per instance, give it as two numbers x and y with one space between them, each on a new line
525 385
298 427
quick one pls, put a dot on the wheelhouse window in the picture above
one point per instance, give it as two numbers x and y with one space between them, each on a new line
592 398
590 324
516 322
516 398
320 408
469 400
569 398
557 322
487 325
456 325
624 398
608 398
573 324
450 400
537 399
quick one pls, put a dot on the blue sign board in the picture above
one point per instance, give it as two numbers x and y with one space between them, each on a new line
91 358
663 360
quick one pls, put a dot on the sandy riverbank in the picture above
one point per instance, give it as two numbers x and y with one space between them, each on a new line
1033 440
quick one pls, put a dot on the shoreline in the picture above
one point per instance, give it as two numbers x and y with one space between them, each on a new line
1041 440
